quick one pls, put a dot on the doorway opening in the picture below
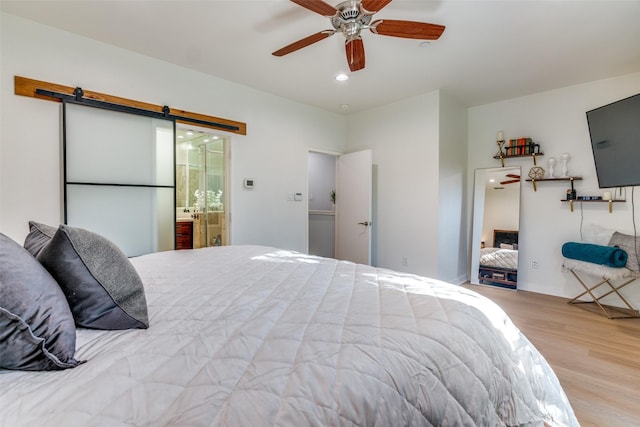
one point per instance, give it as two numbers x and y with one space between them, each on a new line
202 196
321 176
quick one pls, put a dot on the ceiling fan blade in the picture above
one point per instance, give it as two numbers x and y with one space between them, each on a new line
317 6
355 54
512 175
512 181
304 42
407 29
374 5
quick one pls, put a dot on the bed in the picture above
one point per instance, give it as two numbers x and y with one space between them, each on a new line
499 264
259 336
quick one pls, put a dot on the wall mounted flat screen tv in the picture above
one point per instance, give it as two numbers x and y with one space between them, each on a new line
615 140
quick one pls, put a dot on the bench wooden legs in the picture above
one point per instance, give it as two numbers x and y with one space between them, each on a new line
610 311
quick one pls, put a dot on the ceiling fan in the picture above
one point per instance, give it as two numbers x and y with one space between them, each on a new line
350 18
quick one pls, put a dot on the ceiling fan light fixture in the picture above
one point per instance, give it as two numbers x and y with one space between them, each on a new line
342 77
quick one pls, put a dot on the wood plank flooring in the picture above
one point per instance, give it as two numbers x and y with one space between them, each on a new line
596 359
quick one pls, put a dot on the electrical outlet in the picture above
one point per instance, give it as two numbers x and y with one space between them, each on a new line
535 265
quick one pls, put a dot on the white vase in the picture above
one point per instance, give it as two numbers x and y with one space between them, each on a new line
551 163
564 158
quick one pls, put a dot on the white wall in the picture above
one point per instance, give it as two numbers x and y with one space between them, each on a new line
557 120
404 140
453 243
274 151
419 156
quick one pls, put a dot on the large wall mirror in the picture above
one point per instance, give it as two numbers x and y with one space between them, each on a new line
496 225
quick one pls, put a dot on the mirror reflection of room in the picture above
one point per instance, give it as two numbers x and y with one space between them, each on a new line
497 228
201 196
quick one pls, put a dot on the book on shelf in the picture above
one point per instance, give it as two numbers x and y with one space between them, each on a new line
521 146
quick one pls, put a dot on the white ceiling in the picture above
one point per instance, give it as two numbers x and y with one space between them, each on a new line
490 50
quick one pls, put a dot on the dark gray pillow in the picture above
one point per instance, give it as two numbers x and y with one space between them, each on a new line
38 237
630 245
37 331
103 289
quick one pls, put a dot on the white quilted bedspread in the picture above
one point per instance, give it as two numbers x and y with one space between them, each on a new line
255 336
499 258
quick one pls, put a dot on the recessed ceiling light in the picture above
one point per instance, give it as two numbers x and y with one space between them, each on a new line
180 136
342 77
189 133
344 106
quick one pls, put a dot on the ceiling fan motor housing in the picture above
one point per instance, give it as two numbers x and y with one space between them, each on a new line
350 19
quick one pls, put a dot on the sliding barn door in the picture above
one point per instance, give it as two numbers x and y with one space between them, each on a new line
119 178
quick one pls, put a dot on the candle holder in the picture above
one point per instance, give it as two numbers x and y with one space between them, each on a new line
500 154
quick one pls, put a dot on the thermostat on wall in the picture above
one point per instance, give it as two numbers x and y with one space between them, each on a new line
249 183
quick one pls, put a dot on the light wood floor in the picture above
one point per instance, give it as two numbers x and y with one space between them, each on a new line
596 359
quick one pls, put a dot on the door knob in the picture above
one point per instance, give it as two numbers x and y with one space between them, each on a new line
365 223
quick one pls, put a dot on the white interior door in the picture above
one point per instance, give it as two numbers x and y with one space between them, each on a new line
353 207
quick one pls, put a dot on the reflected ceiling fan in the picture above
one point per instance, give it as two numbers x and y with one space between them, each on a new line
514 178
353 16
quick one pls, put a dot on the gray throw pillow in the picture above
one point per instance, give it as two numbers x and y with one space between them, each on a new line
103 289
38 237
627 244
37 331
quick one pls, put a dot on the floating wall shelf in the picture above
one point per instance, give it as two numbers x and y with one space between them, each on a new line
568 178
610 202
512 156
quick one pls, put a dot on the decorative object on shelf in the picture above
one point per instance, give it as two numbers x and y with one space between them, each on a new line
551 163
536 173
564 158
500 141
520 147
607 195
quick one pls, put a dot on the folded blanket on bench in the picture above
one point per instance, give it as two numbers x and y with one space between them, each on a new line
610 256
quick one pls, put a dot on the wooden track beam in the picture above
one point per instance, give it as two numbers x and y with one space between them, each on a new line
28 87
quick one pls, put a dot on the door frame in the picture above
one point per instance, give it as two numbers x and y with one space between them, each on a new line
336 155
227 168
